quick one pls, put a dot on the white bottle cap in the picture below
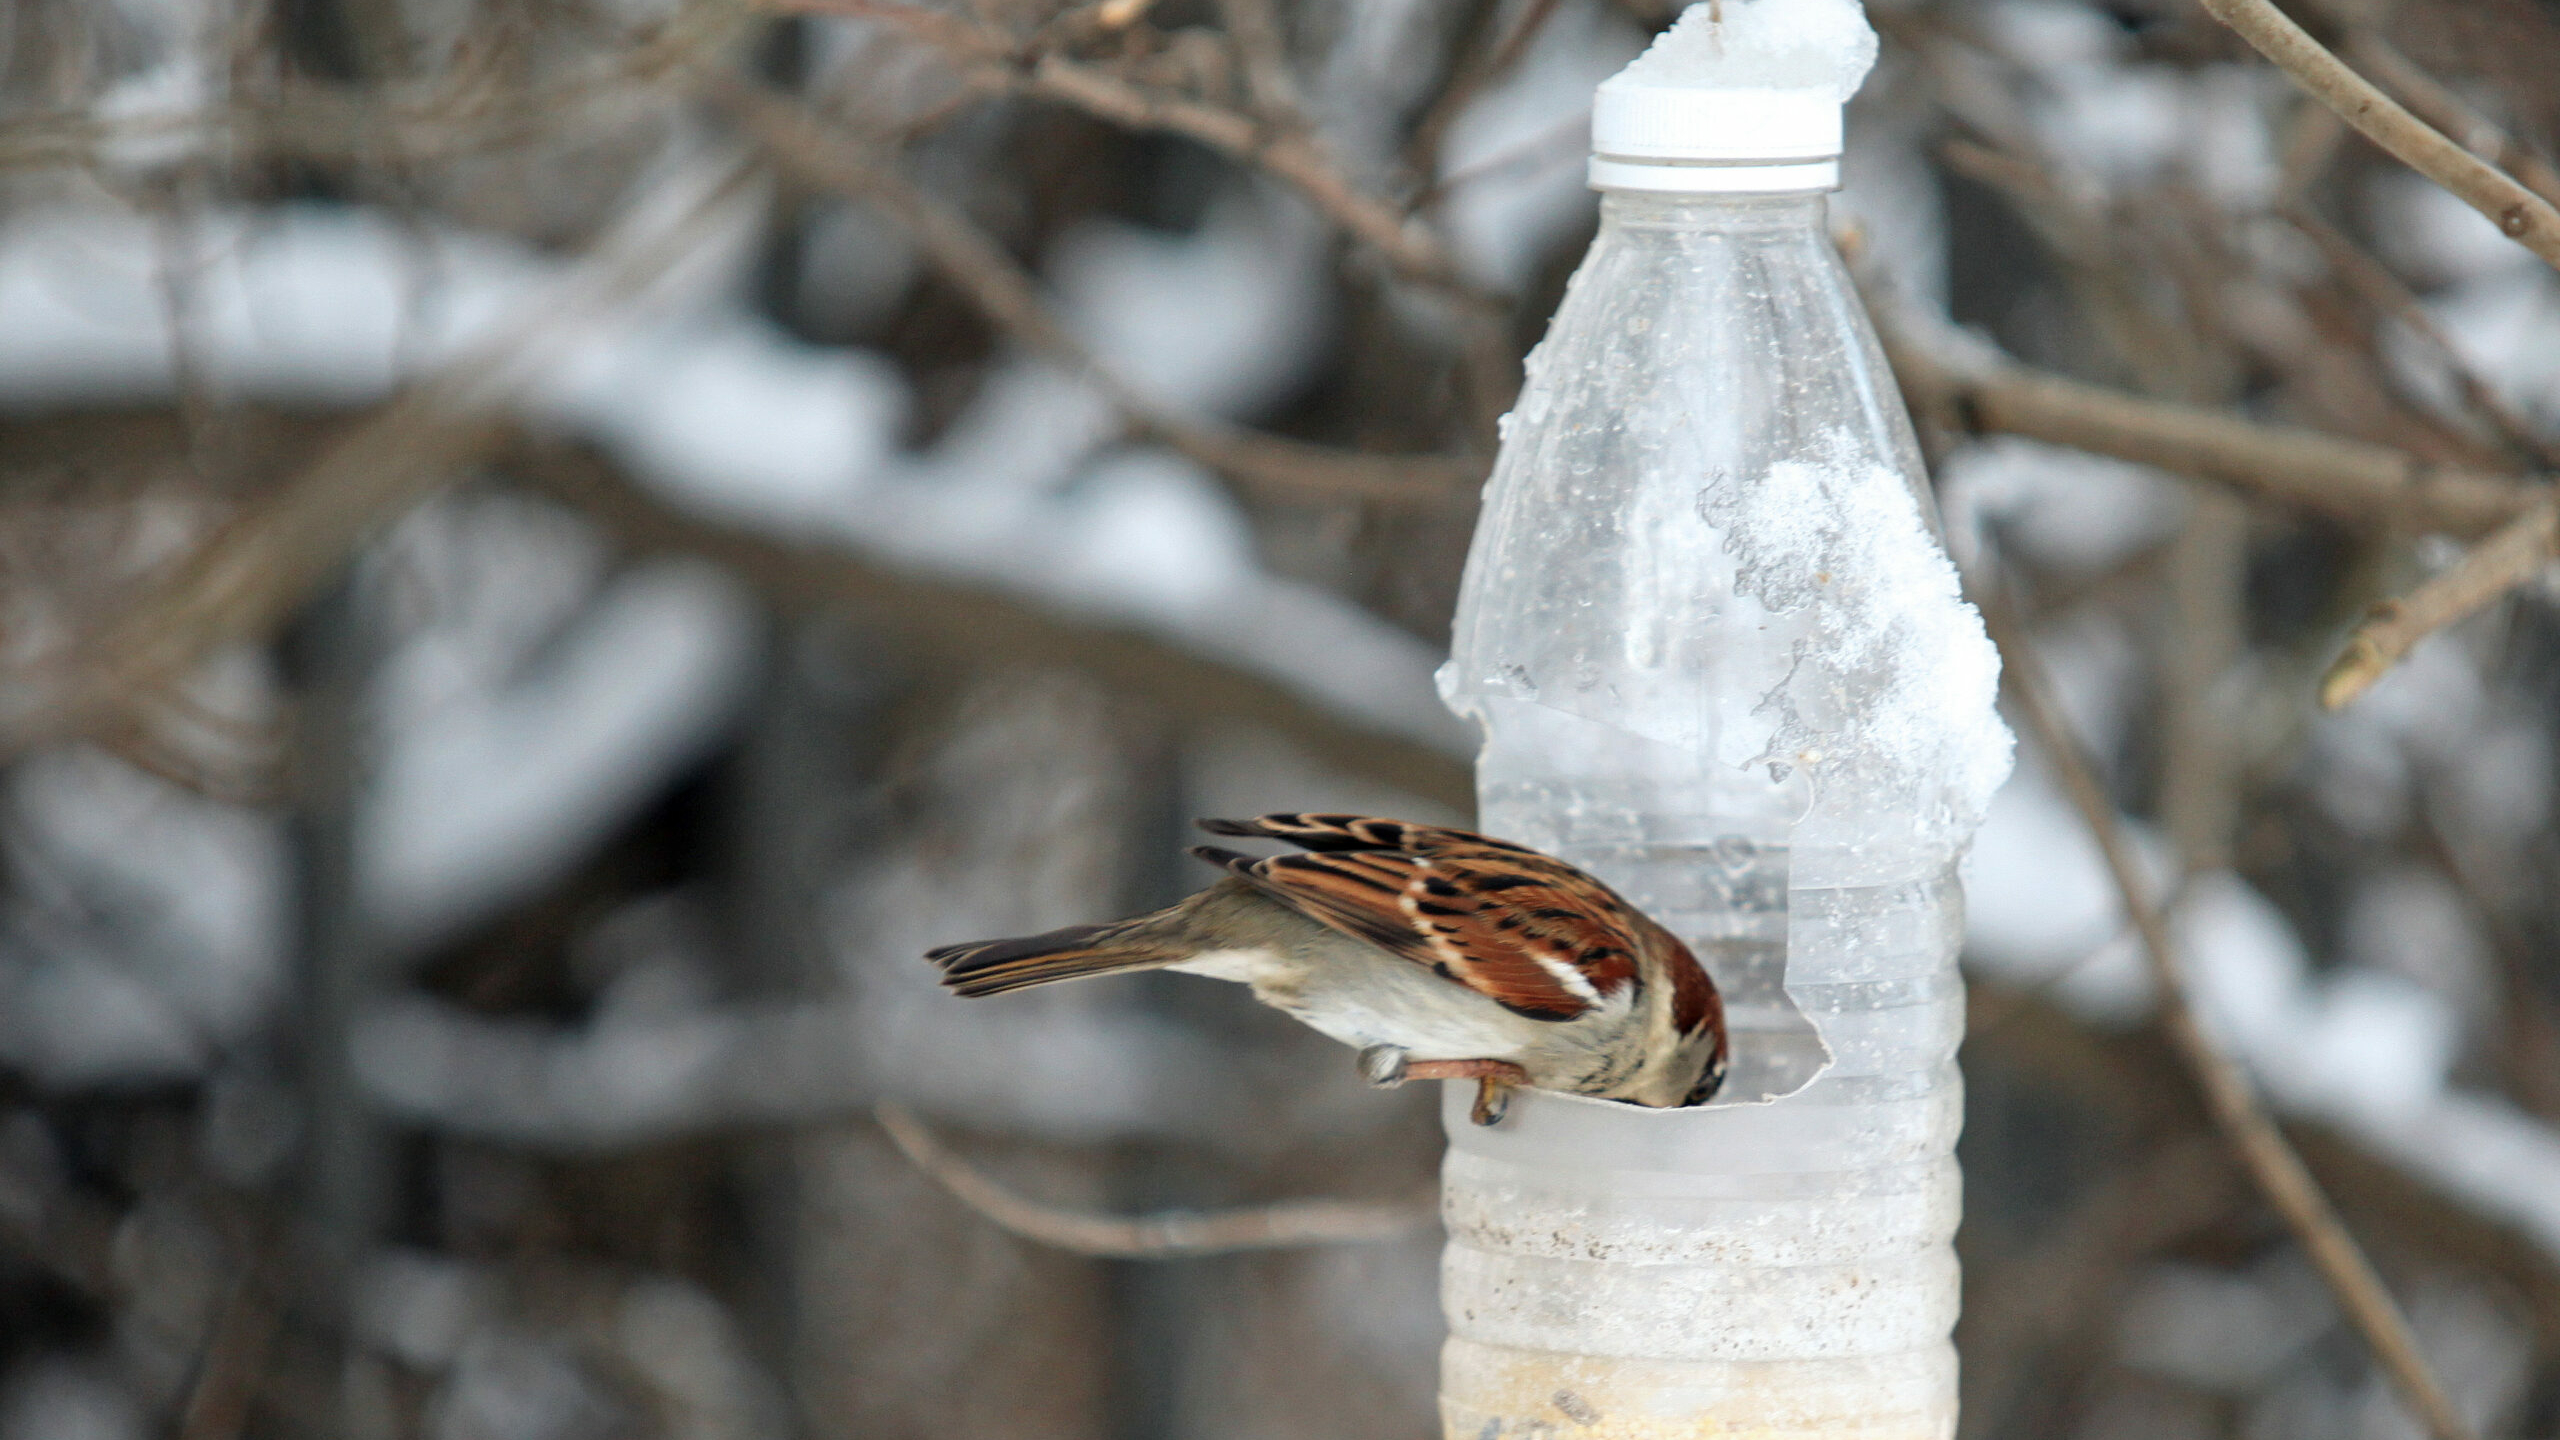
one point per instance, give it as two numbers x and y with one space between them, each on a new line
1739 96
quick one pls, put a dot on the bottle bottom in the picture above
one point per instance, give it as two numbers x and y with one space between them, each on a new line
1492 1392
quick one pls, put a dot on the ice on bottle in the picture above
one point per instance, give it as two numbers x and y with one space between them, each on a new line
1720 659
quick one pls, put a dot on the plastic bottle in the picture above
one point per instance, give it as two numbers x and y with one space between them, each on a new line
1720 659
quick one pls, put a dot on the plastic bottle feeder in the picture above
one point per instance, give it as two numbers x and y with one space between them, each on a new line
1720 660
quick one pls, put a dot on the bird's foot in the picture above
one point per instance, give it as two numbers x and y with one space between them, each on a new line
1495 1080
1384 1066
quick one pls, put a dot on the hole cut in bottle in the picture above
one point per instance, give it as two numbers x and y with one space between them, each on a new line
1700 846
1720 661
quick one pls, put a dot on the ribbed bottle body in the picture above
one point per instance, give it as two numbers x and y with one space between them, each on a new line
1775 1269
1720 660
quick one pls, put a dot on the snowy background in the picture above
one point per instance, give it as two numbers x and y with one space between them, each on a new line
548 548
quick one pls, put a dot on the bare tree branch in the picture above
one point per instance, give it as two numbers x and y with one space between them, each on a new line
1170 1235
2437 104
2524 217
1292 153
822 155
2382 290
1262 47
2229 1094
1961 383
2511 557
2163 355
1484 64
949 618
470 110
1409 247
243 579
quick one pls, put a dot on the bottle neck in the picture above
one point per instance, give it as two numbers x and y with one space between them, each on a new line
1639 210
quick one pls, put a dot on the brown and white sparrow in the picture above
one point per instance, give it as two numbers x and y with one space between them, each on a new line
1439 953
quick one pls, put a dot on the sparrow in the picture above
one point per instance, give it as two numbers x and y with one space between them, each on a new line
1438 954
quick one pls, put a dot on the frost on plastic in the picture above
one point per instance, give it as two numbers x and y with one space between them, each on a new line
1760 45
1893 688
1720 660
1705 600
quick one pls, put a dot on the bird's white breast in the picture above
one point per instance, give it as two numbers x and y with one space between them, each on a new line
1357 994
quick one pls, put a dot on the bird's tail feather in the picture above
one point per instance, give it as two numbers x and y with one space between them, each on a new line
993 967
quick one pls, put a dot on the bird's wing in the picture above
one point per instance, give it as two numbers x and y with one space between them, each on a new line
1364 832
1526 931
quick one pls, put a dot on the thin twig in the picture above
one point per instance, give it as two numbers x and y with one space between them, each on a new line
821 155
1169 1235
2520 214
1289 150
1263 50
2229 1094
1292 154
249 574
2437 104
1408 246
317 120
2507 559
2379 288
2162 354
1478 70
1962 383
975 625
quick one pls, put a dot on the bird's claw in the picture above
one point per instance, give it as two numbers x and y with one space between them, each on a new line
1388 1066
1495 1079
1383 1065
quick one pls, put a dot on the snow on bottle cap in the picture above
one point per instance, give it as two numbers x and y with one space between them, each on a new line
1739 96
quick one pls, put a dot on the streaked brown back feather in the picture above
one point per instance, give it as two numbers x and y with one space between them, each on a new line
1528 931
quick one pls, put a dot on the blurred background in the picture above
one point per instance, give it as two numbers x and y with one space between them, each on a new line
548 548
